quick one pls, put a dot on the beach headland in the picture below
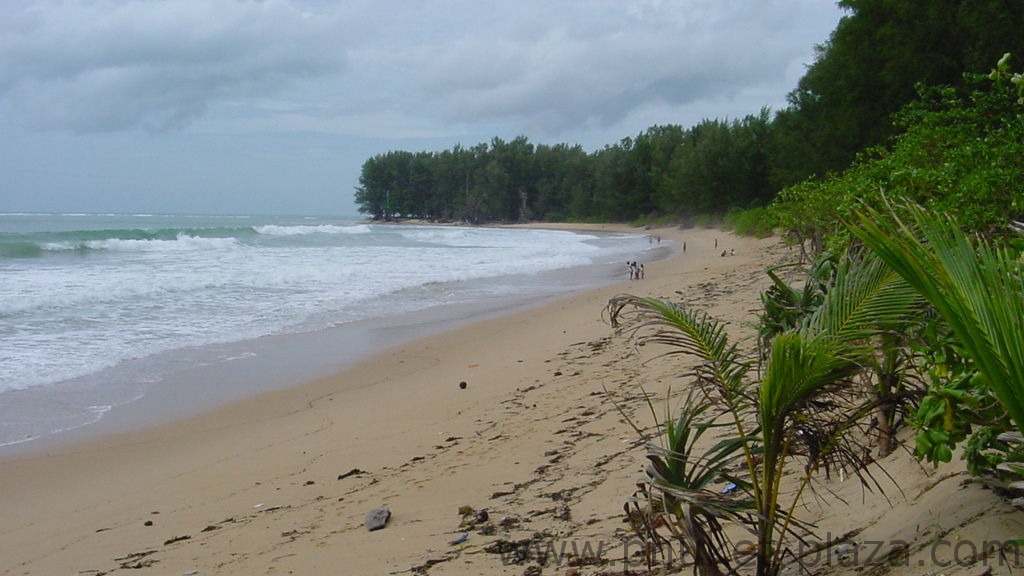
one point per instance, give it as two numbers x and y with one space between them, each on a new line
493 445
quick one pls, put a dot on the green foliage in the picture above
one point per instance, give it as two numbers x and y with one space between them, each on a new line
758 222
956 409
960 153
784 307
868 70
977 289
1003 73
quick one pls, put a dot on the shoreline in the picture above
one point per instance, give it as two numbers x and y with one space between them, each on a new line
246 368
281 483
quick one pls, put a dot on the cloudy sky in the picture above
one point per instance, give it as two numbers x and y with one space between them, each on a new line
271 107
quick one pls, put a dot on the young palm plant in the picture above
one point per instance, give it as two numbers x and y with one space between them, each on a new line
678 494
888 376
804 404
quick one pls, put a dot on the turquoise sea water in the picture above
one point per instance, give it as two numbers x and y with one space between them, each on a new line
96 310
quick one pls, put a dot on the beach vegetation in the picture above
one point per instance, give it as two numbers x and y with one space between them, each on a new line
961 152
757 221
799 400
680 500
976 361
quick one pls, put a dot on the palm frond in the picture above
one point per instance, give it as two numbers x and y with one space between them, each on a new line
978 290
799 367
866 295
684 329
688 332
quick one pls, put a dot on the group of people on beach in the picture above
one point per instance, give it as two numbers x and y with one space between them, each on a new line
636 271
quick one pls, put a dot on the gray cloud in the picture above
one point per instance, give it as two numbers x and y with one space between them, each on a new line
105 66
585 63
121 64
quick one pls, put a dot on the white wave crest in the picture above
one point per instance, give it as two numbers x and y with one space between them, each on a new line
183 242
301 230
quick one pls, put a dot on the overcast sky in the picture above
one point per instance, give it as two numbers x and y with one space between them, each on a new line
271 107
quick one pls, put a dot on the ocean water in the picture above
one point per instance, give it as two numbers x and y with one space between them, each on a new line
96 311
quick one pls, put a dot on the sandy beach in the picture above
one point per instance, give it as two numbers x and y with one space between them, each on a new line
281 483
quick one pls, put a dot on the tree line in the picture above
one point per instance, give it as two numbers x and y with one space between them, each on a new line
847 102
664 170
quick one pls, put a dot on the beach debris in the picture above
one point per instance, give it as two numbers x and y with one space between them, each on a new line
472 517
846 552
730 488
177 539
147 523
522 551
460 539
136 560
563 513
377 518
462 385
509 522
352 472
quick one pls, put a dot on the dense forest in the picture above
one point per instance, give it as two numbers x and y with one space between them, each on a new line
852 103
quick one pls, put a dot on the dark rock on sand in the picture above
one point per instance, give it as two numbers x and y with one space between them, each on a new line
377 518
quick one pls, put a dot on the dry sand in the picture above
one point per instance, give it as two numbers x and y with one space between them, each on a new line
280 484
